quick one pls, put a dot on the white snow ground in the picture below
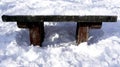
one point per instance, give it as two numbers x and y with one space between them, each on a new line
59 46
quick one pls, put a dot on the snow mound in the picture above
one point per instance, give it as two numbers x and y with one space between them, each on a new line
59 48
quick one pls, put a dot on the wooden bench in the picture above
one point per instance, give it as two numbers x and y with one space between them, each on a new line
35 24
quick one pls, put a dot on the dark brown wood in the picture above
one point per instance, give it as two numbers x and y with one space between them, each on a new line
82 32
95 25
22 25
36 34
55 18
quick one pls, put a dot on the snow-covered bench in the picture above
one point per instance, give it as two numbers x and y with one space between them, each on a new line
35 24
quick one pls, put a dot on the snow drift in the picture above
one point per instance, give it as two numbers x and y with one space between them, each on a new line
59 46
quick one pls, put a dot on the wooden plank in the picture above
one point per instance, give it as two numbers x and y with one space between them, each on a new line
37 34
96 25
55 18
81 33
22 25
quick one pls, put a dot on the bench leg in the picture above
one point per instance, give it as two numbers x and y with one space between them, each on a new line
37 33
82 32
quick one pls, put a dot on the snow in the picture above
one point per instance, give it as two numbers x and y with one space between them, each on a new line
59 47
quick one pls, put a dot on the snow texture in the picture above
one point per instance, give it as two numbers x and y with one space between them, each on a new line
59 48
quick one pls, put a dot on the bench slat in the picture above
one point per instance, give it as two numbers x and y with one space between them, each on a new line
60 18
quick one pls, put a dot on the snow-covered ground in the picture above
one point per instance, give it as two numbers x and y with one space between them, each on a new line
59 46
